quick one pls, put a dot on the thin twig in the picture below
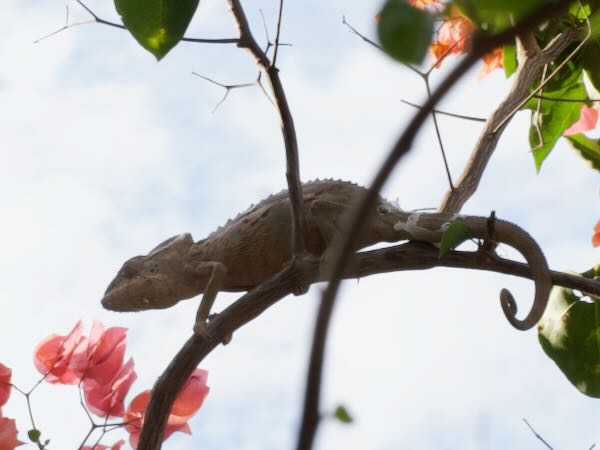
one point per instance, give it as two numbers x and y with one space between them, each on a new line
566 100
438 135
278 33
375 44
97 19
227 87
481 45
543 441
425 77
446 113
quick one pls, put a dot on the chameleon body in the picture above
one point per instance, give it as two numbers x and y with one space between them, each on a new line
256 244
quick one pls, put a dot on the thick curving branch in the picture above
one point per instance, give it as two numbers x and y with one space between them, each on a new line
481 45
288 129
408 256
531 61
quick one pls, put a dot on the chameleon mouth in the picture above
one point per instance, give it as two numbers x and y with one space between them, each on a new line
138 295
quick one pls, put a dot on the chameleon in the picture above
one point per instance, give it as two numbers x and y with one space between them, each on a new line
256 244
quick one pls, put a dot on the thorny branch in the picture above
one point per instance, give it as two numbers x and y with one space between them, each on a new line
97 19
481 45
247 41
408 256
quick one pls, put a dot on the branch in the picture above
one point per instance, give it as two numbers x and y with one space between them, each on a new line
288 130
481 45
530 64
446 113
118 25
408 256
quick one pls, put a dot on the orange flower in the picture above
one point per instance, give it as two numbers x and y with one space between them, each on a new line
8 434
453 37
588 119
5 374
426 4
596 235
491 61
188 401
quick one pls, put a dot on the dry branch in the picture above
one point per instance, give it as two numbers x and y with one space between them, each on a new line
531 62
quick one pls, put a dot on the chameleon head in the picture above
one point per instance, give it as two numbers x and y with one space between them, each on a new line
152 281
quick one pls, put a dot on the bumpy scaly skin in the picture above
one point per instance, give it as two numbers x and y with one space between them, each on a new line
256 245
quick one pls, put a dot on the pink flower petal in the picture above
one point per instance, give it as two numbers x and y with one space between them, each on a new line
53 354
107 400
8 434
5 375
588 119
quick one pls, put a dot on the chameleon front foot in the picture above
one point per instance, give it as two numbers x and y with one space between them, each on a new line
201 329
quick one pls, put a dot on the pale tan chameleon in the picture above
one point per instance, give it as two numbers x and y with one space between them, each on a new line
256 244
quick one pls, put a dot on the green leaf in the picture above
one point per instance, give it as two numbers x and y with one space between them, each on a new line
404 31
342 415
509 59
158 25
553 119
455 234
595 23
497 14
569 333
34 435
579 13
591 62
589 149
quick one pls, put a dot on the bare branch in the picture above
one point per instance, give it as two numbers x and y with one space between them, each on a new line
446 113
97 19
278 34
228 88
537 435
247 41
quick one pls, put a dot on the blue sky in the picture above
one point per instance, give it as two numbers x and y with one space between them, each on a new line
107 153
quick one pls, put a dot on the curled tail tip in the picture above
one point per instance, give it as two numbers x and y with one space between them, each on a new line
509 307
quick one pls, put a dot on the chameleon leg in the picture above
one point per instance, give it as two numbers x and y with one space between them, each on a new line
216 274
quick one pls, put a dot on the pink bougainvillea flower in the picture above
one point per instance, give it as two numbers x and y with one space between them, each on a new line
53 355
5 374
106 400
491 61
596 235
8 434
190 398
188 401
115 446
588 119
100 357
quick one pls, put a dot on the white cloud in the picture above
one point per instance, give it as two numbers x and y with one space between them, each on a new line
109 153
